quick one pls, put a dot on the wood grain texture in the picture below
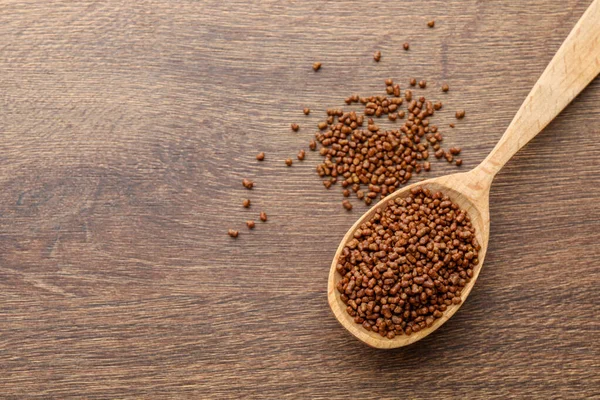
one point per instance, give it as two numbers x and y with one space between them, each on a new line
127 127
573 67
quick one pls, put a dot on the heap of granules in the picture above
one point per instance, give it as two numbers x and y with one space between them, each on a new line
374 162
408 263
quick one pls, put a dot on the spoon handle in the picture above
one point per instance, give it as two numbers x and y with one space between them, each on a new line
573 67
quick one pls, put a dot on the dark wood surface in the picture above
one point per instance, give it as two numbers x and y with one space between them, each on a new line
126 128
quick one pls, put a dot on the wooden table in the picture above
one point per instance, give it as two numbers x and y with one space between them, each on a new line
126 128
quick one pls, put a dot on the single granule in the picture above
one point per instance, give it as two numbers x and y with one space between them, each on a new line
301 155
288 162
406 265
250 224
347 205
317 66
431 24
306 111
263 216
445 87
312 145
413 82
458 162
246 203
460 114
406 46
377 56
454 150
248 184
260 156
232 233
295 127
422 84
451 125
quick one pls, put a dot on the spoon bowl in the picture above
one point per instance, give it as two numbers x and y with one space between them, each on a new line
573 67
463 189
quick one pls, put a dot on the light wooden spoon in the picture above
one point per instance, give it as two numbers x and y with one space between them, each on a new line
574 66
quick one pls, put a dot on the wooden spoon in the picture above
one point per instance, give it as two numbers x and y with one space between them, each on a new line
574 66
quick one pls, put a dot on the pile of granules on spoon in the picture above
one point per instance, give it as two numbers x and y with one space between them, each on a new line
408 263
